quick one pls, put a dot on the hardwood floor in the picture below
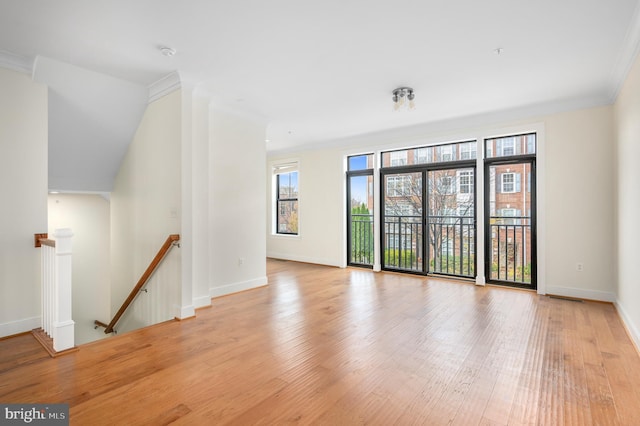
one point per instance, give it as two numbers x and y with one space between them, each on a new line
333 346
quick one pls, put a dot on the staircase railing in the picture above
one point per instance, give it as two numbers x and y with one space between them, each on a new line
57 328
170 242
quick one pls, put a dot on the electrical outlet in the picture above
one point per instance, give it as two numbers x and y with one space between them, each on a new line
579 267
240 261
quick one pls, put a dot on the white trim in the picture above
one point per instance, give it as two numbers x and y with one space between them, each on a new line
19 326
167 84
541 218
15 62
223 290
201 302
478 191
580 293
631 328
185 312
63 335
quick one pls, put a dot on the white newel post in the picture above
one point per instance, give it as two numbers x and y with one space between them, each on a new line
63 325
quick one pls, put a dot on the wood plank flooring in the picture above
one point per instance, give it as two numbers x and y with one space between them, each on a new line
323 345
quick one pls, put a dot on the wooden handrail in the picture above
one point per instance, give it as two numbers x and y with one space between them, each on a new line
141 282
47 242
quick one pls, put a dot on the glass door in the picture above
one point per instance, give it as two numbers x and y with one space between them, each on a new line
402 224
510 204
451 221
360 219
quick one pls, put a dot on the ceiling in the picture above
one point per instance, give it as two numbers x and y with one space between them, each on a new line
324 70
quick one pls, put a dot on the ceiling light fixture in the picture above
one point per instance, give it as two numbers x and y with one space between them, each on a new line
400 97
167 51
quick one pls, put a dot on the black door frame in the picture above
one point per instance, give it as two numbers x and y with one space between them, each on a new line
350 174
499 161
424 169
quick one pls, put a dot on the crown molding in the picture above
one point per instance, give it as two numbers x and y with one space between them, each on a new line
15 62
164 86
628 54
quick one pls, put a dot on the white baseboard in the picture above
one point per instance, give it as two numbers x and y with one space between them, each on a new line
202 301
579 293
305 259
185 312
236 287
631 327
20 326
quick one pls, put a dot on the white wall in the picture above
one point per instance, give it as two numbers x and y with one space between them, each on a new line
580 211
145 210
321 183
23 211
200 179
88 217
577 191
628 200
237 209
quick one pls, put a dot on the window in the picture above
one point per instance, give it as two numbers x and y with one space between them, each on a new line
508 147
450 151
398 186
446 153
286 199
468 151
446 185
465 182
360 162
531 143
508 182
422 155
398 158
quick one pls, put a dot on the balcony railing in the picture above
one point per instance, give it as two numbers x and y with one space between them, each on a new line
452 245
511 249
361 250
403 242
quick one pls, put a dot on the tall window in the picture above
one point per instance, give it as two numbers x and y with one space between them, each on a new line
286 199
465 181
360 232
509 220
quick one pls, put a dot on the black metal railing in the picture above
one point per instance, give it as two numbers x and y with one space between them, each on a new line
511 249
452 245
403 241
361 249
